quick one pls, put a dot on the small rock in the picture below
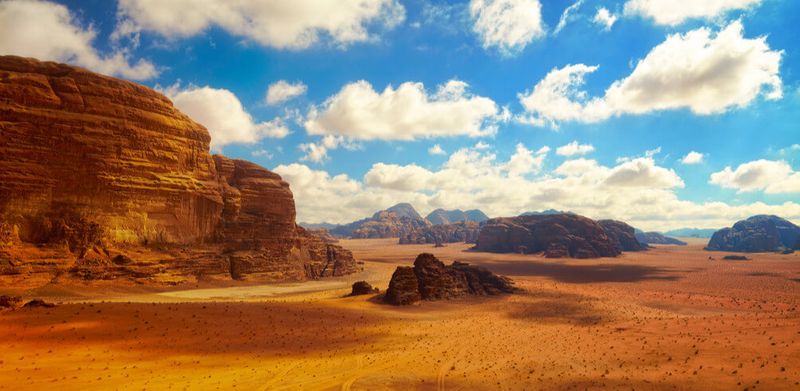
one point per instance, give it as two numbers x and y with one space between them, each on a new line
735 258
38 303
363 288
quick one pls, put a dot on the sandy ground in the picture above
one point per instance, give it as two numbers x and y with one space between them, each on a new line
668 318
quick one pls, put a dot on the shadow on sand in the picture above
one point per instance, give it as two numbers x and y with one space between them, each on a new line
583 274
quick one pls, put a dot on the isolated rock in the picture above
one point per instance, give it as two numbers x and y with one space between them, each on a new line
657 238
363 288
761 233
464 231
556 235
441 216
430 279
9 302
622 234
90 164
38 303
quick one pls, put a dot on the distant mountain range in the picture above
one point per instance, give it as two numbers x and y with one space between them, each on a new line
441 216
545 213
691 232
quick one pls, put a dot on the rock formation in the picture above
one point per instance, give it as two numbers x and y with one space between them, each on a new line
557 236
389 223
323 234
93 167
363 288
691 232
622 234
759 233
441 216
430 279
464 231
657 238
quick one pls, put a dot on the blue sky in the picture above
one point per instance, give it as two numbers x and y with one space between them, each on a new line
637 146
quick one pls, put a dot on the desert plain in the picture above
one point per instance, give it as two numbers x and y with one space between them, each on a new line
667 318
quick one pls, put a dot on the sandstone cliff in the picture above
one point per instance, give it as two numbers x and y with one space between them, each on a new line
759 233
657 238
464 231
95 169
623 235
556 235
390 223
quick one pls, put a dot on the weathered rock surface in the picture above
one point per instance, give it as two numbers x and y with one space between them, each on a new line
622 234
441 216
323 234
390 223
557 236
430 279
464 231
657 238
761 233
363 288
93 167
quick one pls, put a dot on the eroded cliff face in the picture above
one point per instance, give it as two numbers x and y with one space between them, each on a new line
93 168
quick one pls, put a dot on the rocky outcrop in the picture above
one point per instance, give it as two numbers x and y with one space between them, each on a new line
363 288
622 234
390 223
761 233
461 232
93 167
323 234
430 279
556 236
657 238
441 216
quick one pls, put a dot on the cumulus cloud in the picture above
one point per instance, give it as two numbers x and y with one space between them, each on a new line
317 152
674 12
507 25
282 90
275 23
409 112
604 18
692 158
524 161
567 16
48 31
637 191
221 112
701 71
436 149
574 148
770 176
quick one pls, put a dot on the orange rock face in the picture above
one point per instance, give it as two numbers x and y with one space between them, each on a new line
92 167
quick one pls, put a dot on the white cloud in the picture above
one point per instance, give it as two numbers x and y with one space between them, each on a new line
692 158
221 112
262 153
574 148
436 149
318 152
48 31
523 161
409 112
281 91
507 25
704 72
275 23
604 18
674 12
567 16
770 176
480 145
637 191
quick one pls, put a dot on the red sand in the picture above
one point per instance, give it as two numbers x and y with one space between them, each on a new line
668 318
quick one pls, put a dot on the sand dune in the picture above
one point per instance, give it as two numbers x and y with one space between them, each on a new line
668 318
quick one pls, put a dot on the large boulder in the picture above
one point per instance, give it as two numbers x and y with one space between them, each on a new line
761 233
430 279
555 235
623 235
92 167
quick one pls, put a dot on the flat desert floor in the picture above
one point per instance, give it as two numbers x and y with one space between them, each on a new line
668 318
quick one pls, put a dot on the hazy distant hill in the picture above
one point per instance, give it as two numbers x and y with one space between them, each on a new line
441 216
545 213
691 232
389 223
